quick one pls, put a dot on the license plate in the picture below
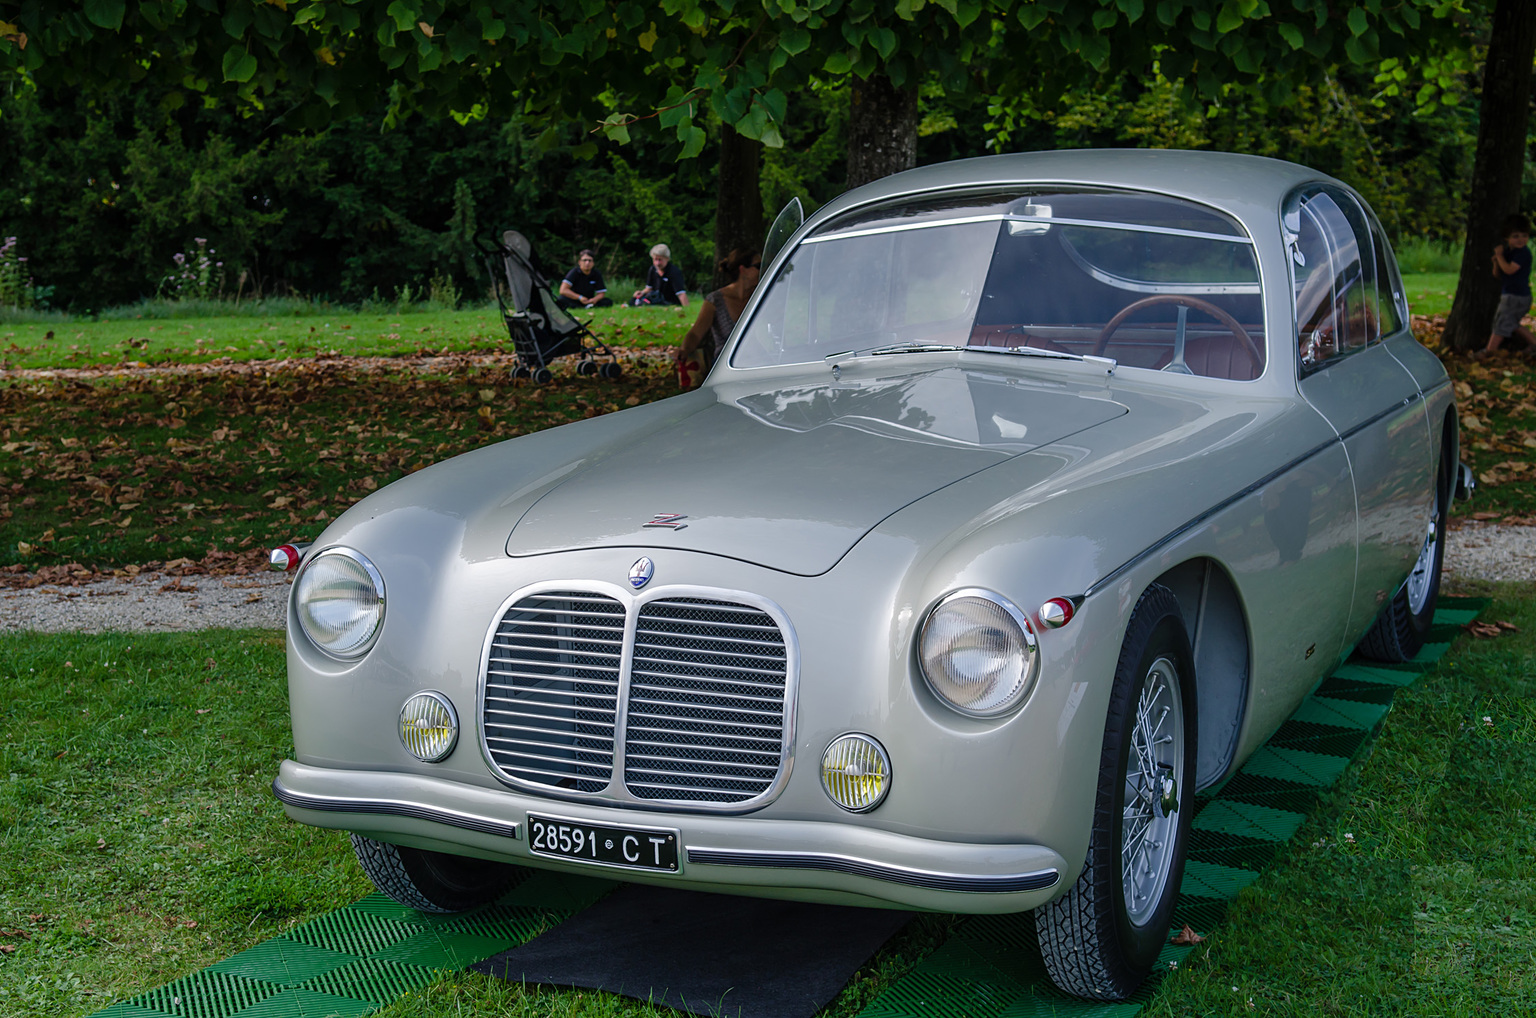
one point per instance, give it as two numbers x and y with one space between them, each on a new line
636 847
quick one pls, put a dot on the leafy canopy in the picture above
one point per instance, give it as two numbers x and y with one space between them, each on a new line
566 59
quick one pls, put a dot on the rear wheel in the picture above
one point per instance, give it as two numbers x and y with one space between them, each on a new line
542 376
585 368
1398 633
1100 939
432 881
611 370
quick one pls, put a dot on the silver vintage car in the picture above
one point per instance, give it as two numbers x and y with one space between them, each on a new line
1030 495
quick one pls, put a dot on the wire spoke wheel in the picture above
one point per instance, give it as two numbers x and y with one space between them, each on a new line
1101 938
1422 578
1153 779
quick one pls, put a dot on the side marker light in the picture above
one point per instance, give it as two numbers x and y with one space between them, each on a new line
1057 612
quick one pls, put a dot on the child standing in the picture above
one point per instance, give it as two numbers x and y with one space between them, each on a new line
1512 265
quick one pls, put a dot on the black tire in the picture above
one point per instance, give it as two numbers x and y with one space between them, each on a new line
432 881
1399 631
611 370
1096 943
585 368
521 371
542 376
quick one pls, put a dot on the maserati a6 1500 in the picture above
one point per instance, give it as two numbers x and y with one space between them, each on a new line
1029 496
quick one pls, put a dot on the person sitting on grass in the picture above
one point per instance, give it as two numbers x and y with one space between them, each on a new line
583 286
1512 266
664 283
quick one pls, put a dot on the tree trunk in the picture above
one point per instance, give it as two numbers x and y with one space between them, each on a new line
882 129
1497 169
738 196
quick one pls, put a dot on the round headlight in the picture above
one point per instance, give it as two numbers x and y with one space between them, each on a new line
855 772
428 726
978 653
339 598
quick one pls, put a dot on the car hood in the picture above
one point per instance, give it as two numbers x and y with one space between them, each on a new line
792 478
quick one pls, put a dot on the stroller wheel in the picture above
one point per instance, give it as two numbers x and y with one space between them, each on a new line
521 371
586 368
542 376
611 370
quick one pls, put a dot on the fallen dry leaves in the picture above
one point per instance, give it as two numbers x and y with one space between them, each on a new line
1186 937
133 468
1490 630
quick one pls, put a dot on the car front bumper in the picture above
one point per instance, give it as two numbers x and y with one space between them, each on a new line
794 859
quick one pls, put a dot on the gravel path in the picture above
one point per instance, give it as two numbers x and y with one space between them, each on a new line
154 602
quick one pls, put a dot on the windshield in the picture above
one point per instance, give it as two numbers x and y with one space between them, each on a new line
1151 281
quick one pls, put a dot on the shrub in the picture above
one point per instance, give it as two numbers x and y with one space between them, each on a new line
196 275
15 283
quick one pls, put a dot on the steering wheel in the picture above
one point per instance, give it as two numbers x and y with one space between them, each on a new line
1182 301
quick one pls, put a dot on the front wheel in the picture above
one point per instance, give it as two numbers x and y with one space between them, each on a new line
432 881
1101 938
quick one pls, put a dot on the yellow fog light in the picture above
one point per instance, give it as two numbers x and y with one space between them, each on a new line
428 726
855 772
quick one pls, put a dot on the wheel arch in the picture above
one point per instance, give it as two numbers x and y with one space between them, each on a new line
1217 623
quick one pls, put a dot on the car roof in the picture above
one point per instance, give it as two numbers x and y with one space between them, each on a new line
1248 187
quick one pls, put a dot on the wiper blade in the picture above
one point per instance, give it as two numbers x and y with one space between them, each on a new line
897 348
1108 363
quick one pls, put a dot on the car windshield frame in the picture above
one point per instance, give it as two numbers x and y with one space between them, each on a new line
1025 211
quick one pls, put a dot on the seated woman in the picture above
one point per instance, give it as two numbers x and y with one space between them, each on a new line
721 308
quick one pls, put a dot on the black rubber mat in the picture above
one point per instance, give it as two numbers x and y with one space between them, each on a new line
709 954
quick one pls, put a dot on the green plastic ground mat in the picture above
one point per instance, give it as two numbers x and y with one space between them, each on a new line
355 960
990 967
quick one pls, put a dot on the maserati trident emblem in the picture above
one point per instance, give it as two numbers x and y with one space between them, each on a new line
668 520
640 573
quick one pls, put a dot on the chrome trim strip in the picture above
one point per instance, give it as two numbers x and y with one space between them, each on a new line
615 794
395 808
1002 883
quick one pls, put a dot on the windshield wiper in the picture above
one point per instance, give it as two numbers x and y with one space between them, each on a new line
1108 363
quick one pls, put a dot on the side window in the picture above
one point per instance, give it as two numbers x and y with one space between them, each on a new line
1392 300
1334 262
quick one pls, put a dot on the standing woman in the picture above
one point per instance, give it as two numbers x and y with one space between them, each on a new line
720 309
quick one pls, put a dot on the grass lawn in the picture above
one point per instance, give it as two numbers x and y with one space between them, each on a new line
139 842
1430 293
87 343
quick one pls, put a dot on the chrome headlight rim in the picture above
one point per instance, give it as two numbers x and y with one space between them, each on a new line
885 760
377 578
1031 651
453 722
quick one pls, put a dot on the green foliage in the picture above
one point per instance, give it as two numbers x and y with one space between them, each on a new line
110 193
1413 165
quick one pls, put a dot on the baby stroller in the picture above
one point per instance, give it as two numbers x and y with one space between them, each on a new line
541 330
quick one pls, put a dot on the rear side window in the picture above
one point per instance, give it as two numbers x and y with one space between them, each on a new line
1334 257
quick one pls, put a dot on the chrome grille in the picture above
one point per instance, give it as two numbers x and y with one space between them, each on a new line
706 687
705 721
552 689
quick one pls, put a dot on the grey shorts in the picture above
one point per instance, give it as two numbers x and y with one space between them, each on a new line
1512 308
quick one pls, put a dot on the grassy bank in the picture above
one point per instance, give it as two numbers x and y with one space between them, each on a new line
140 842
110 341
